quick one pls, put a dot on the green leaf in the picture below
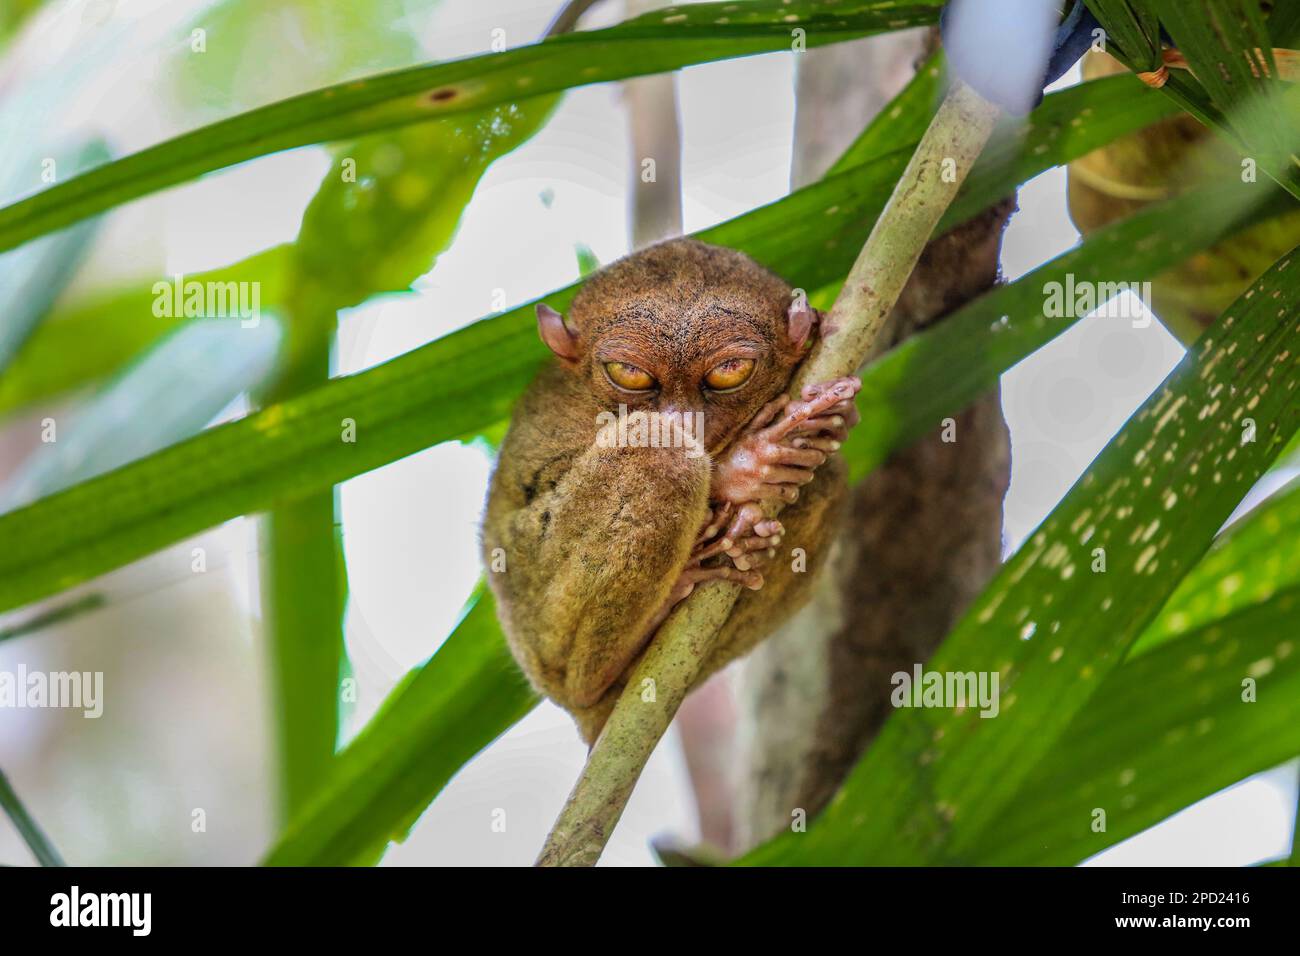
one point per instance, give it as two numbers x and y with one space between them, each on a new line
303 616
392 202
432 724
387 208
247 61
123 325
1131 29
654 43
1284 25
1258 114
1164 730
998 329
1050 627
177 389
28 829
1193 733
1257 558
54 615
410 403
32 278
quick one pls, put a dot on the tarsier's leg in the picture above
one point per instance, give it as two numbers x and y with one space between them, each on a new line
603 551
727 531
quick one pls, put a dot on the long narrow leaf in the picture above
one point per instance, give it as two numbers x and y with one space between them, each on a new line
435 721
1168 728
28 829
1054 623
654 43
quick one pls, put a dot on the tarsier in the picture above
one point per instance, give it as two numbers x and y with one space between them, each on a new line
602 540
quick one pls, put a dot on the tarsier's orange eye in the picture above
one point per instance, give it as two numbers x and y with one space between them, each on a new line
732 373
629 376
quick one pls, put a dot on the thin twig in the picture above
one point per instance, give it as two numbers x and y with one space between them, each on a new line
32 834
850 335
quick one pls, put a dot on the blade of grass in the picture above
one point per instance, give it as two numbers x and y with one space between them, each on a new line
32 834
999 329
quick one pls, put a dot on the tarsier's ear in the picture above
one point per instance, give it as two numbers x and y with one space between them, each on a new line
557 336
800 319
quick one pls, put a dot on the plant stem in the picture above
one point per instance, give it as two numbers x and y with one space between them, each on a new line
850 335
32 834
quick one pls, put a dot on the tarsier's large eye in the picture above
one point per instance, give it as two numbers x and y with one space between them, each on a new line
732 373
629 376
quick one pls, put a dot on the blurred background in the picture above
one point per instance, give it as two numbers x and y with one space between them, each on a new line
186 723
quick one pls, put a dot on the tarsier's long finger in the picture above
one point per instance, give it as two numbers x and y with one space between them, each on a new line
718 518
797 412
830 426
845 408
780 475
823 443
742 526
723 572
767 414
799 456
750 553
847 413
817 388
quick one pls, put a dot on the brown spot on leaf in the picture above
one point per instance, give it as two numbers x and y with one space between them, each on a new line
443 95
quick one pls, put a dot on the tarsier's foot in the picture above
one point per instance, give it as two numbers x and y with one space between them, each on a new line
742 534
749 539
785 442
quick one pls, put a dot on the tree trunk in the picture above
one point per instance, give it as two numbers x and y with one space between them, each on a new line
921 535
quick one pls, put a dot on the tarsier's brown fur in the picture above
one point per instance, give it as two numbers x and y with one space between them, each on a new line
596 539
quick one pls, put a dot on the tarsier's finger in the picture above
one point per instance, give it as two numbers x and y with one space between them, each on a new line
750 552
847 416
837 384
718 518
787 493
780 475
831 426
818 404
723 572
798 456
822 443
742 526
768 528
753 542
767 414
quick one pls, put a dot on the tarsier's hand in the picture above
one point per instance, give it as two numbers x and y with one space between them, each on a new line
771 461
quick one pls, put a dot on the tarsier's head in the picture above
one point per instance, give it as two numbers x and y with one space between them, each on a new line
684 326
